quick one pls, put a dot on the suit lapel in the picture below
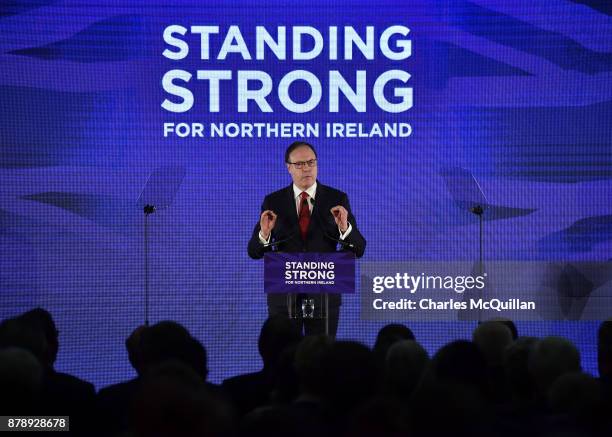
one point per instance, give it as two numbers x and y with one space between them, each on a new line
291 207
319 204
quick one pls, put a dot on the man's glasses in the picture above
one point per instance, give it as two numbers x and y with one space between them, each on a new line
303 164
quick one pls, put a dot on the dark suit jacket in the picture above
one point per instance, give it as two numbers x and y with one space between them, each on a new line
113 405
322 225
63 394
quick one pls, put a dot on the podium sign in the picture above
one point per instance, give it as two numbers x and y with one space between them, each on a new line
306 272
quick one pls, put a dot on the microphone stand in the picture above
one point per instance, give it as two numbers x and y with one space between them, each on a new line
345 245
291 303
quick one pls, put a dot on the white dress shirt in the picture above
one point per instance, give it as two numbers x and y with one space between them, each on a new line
312 193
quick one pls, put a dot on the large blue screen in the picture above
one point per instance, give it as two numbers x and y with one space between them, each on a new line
92 95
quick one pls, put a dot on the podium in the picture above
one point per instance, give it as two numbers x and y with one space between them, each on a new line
313 276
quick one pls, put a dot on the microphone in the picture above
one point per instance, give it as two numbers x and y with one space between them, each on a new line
277 242
343 243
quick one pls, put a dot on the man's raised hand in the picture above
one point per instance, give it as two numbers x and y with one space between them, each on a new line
267 221
341 217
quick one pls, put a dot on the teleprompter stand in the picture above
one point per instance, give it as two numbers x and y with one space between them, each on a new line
468 196
157 195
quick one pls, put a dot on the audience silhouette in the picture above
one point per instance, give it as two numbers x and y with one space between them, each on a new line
497 384
57 394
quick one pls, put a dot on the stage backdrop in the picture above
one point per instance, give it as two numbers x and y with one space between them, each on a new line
97 98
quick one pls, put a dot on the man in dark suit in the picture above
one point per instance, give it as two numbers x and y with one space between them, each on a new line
306 216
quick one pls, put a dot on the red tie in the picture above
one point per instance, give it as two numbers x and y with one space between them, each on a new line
304 218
